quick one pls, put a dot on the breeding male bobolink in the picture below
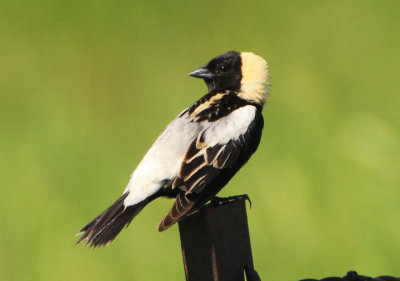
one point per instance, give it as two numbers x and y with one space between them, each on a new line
199 151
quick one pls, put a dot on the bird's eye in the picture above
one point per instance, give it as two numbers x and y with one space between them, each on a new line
223 68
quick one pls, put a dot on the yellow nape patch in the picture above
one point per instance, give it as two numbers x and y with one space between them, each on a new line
255 78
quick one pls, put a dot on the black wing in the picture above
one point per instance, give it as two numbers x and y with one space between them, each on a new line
206 169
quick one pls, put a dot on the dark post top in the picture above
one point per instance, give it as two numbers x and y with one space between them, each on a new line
216 242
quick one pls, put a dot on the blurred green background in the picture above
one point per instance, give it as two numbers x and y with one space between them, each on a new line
87 86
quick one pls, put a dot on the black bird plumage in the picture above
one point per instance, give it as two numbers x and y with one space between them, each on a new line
199 151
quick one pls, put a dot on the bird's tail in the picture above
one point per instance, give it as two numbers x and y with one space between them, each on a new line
105 227
182 206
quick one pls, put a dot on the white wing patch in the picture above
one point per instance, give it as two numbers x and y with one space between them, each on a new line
229 127
216 147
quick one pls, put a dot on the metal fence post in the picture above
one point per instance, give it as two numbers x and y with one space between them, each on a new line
216 243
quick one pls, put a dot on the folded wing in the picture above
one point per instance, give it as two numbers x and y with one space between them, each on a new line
208 166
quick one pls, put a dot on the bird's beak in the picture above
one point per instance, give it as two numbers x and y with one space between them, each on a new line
202 73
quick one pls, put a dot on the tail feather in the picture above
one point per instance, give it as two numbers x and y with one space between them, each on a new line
181 207
105 227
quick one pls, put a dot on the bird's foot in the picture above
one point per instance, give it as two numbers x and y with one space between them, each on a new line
219 201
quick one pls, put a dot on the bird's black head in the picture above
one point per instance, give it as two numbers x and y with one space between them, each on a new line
222 72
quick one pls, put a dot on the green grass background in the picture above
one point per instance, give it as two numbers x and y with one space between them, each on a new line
87 86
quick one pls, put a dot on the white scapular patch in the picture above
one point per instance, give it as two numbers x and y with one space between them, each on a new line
229 127
164 159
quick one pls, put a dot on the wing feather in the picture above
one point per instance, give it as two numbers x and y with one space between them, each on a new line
207 163
196 173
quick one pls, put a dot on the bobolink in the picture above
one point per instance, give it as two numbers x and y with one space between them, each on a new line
199 151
